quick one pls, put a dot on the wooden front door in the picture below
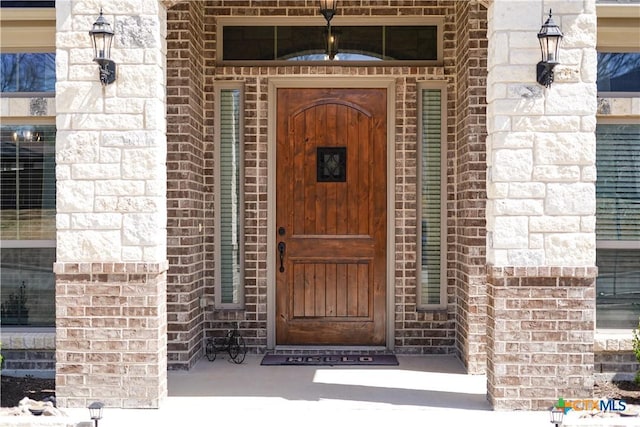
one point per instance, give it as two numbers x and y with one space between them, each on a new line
331 216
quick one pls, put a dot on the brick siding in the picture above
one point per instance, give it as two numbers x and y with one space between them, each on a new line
469 185
540 335
111 336
189 184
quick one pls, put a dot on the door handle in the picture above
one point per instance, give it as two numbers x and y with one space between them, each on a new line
281 250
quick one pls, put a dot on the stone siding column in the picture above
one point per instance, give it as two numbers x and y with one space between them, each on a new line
541 207
111 264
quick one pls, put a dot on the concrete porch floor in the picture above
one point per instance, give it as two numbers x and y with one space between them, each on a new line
430 390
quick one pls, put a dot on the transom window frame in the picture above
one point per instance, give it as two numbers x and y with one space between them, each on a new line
336 23
442 305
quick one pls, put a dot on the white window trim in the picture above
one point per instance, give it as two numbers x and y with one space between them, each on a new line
220 86
442 86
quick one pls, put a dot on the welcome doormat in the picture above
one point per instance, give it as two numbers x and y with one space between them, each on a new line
329 360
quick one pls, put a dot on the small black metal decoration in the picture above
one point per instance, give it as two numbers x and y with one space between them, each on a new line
332 164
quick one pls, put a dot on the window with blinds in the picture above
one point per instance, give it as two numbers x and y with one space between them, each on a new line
618 225
27 225
430 207
229 212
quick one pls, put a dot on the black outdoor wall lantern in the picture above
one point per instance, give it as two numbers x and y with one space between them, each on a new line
102 36
95 412
328 8
549 38
556 416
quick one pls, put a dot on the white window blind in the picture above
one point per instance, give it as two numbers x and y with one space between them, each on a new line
229 292
618 225
430 204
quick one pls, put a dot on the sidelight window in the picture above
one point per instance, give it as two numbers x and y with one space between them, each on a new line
431 253
229 289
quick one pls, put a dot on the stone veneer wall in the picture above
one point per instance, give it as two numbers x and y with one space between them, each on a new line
541 207
469 183
189 188
111 327
416 331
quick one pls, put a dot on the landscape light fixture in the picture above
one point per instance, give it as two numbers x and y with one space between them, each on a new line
556 416
102 36
95 411
328 10
549 38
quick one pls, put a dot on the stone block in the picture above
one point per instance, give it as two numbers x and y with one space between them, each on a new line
526 257
84 73
588 174
79 97
110 155
588 124
579 30
77 146
511 232
82 54
546 124
63 221
140 81
120 188
128 139
124 105
589 68
498 190
142 164
499 123
536 241
498 49
526 190
143 229
96 221
570 199
580 96
89 246
621 106
512 139
135 31
518 207
548 173
107 122
555 224
95 171
129 56
74 196
564 148
154 115
570 249
512 165
513 16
